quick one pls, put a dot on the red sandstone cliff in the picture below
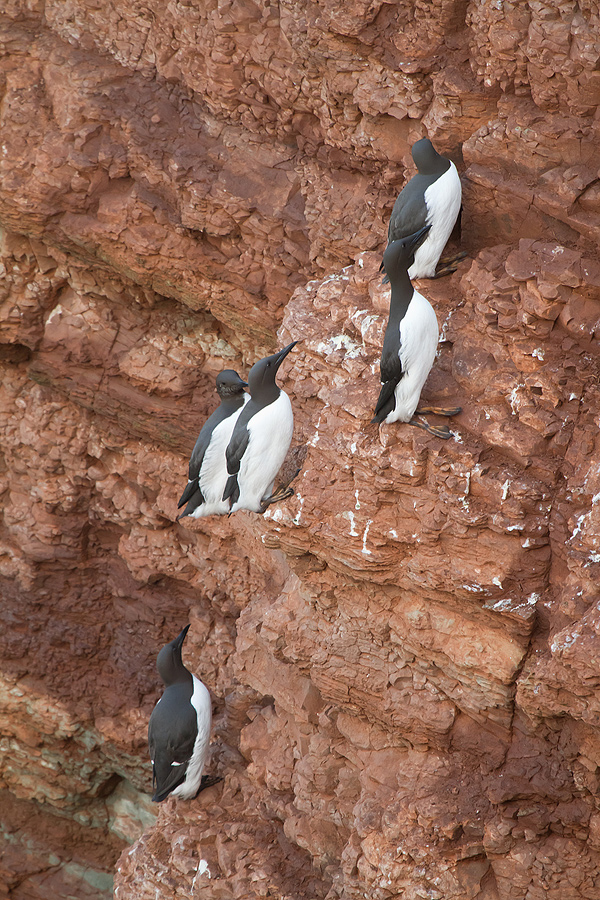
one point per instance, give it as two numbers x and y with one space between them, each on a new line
403 657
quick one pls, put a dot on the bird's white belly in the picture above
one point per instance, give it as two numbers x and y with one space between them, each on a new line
270 436
419 339
213 475
200 700
443 200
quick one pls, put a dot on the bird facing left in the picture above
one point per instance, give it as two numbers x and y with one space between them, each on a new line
208 469
179 728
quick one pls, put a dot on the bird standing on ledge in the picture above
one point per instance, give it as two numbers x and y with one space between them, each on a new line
409 344
431 197
179 728
207 470
260 440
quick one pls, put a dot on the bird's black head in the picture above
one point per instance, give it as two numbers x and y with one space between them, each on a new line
261 377
399 255
229 384
168 662
426 158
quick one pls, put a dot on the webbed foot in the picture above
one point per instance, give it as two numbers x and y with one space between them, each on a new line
440 431
207 781
438 410
283 493
448 264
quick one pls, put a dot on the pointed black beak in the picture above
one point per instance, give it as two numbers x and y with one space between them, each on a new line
415 240
278 358
178 642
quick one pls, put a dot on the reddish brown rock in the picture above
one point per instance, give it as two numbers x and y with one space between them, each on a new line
403 656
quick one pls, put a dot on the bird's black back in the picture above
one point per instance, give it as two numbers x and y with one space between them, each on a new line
390 369
236 448
172 733
192 490
410 212
398 257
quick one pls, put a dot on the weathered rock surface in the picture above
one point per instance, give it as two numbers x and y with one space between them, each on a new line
403 657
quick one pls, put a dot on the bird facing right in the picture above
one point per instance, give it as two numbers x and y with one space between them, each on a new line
260 440
179 727
409 344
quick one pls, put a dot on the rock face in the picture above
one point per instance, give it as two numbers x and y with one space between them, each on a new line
404 656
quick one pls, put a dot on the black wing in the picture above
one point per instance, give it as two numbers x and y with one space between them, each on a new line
168 784
409 213
390 367
232 488
194 497
385 402
235 451
236 448
192 489
172 734
391 372
198 453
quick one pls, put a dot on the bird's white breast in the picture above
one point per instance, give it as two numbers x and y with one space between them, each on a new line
418 345
270 433
200 700
213 474
443 199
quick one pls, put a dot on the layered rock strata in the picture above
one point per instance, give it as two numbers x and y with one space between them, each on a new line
403 656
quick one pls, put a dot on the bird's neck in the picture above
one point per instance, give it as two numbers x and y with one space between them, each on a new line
402 292
184 677
267 394
233 403
174 674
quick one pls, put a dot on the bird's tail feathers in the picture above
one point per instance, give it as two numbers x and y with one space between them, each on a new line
194 500
232 490
189 491
385 402
175 778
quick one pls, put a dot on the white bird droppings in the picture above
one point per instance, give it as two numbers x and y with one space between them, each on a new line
366 532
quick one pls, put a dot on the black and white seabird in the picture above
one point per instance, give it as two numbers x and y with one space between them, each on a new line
179 727
208 470
409 344
431 197
260 439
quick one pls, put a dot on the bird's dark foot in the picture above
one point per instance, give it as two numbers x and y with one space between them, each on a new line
448 264
440 431
438 410
281 494
207 781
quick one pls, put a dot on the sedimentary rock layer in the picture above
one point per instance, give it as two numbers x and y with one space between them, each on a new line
403 656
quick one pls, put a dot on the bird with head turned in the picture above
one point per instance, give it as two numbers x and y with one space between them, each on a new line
203 495
432 197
